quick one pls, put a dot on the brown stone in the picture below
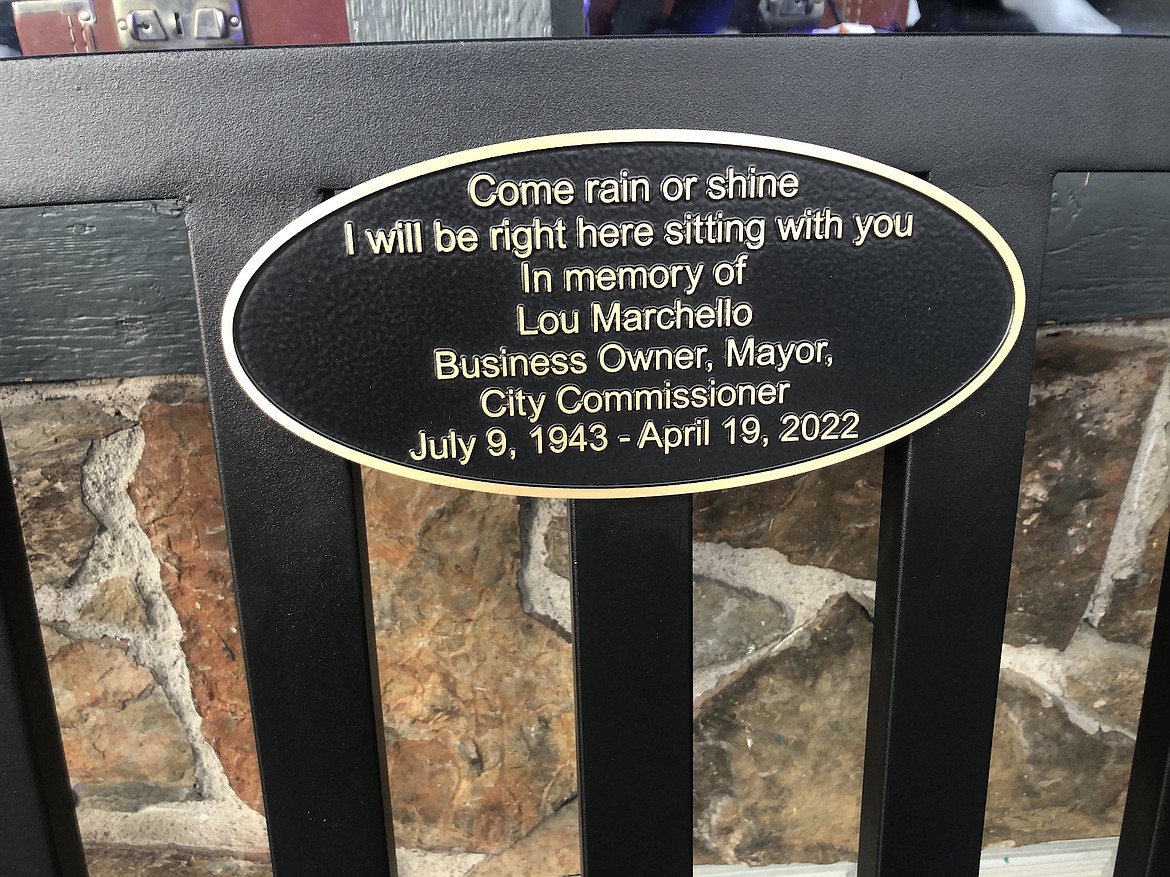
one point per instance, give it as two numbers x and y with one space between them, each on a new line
827 518
115 602
1049 779
1089 402
1090 399
47 441
118 729
778 754
176 494
113 862
53 641
701 854
477 696
1130 616
1110 685
778 758
553 849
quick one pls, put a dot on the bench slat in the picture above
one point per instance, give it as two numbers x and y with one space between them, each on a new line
632 652
297 537
948 518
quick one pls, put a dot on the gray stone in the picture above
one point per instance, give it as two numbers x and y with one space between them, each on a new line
556 542
827 518
1106 679
1130 616
729 623
130 797
778 753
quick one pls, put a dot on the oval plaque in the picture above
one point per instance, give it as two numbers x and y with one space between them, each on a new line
623 313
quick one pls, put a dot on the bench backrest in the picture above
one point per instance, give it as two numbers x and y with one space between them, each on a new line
253 138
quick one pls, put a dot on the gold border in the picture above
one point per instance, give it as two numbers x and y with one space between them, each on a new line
584 138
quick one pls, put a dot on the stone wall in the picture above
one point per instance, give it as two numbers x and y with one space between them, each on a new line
121 511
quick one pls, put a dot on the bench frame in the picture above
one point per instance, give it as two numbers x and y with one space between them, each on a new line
252 138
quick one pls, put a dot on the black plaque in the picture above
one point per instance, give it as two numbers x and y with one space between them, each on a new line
623 313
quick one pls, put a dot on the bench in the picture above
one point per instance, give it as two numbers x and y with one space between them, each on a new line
254 139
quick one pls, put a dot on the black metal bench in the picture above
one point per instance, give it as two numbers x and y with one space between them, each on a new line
253 138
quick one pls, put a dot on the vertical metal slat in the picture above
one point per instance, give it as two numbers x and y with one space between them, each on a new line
632 653
938 629
296 532
948 515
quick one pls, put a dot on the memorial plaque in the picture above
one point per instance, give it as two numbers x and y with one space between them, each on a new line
623 313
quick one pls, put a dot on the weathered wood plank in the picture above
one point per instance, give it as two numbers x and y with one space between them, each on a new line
1108 252
380 21
96 290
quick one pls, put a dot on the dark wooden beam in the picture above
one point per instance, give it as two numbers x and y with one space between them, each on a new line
96 290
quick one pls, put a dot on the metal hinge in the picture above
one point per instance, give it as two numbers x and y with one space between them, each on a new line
178 24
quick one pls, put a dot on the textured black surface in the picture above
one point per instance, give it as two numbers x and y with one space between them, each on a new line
632 651
252 136
38 826
345 344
